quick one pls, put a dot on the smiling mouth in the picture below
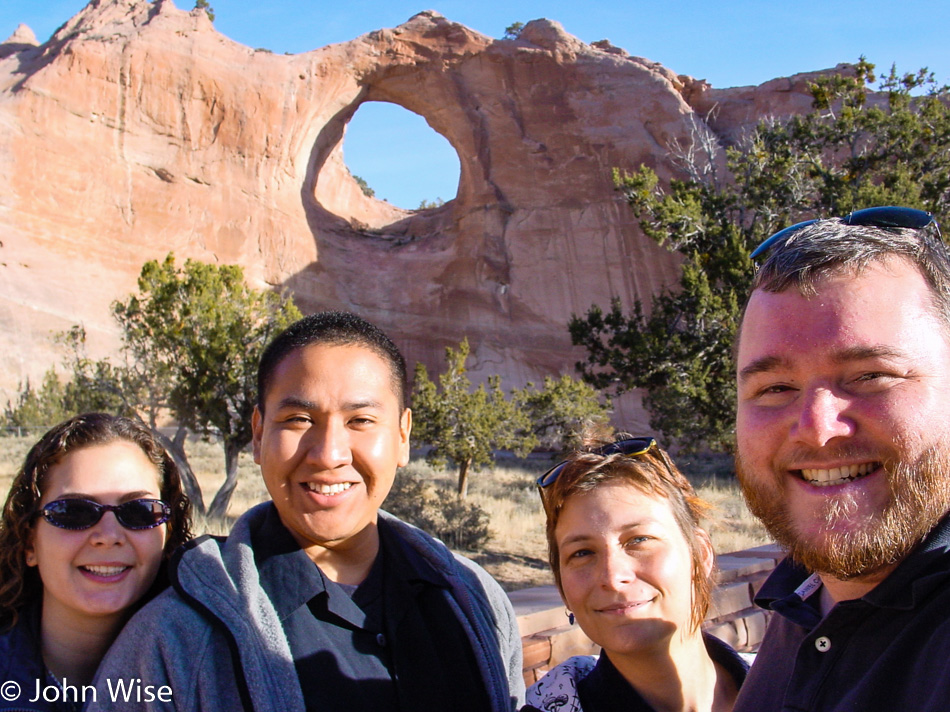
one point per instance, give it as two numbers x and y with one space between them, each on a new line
622 607
105 570
838 475
328 489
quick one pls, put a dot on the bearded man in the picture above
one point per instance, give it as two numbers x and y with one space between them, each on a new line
843 451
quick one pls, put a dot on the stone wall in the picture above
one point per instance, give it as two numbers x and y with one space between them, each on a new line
548 639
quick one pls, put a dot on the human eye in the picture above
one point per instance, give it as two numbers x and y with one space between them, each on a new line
771 394
295 419
362 421
874 382
577 556
639 541
874 378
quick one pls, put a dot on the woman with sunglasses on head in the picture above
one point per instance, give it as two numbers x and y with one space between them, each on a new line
634 569
87 527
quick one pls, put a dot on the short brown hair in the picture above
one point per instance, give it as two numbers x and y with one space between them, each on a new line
20 584
651 472
833 246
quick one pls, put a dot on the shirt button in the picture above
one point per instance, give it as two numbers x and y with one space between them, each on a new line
823 644
381 639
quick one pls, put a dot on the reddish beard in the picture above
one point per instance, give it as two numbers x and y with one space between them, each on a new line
919 499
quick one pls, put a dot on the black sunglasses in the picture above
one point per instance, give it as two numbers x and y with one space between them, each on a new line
631 447
84 513
887 216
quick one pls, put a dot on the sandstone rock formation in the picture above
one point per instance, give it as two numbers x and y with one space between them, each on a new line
138 129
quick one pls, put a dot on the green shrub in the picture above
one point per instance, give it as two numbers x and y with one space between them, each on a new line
439 512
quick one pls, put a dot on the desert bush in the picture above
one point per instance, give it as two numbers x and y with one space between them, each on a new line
438 511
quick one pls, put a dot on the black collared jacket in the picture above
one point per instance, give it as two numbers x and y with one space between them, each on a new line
21 665
887 651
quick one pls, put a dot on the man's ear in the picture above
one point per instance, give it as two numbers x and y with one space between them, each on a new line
257 428
405 429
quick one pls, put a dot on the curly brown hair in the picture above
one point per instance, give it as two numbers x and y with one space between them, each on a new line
653 473
20 584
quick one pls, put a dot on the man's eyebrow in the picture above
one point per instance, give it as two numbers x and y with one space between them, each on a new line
762 365
861 353
368 404
295 402
767 364
304 404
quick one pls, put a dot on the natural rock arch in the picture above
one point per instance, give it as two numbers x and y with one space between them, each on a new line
333 198
138 129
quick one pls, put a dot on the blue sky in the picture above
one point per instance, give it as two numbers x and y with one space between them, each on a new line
728 43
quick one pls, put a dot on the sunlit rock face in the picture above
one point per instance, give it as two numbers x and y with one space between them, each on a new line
138 129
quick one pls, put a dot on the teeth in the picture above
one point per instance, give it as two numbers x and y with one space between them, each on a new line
105 570
329 489
838 475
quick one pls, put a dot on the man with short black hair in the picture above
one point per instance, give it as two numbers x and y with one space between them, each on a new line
843 451
317 600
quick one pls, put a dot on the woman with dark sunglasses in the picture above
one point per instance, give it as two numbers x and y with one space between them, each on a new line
634 569
88 525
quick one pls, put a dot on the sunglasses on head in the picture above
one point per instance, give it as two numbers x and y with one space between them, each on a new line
887 216
630 447
84 513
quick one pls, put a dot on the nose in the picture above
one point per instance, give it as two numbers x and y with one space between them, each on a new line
328 447
822 418
619 569
107 531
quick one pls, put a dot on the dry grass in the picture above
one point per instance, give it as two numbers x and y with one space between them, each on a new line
516 553
207 461
730 524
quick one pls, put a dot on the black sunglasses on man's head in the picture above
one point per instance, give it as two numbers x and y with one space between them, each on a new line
631 447
886 216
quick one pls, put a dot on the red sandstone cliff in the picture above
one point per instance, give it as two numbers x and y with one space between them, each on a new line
138 129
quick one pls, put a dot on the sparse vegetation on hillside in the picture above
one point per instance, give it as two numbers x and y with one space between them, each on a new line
206 6
42 406
364 186
513 31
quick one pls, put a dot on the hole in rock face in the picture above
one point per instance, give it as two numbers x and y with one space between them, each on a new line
397 157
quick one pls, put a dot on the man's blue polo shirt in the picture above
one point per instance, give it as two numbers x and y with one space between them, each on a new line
887 651
391 644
